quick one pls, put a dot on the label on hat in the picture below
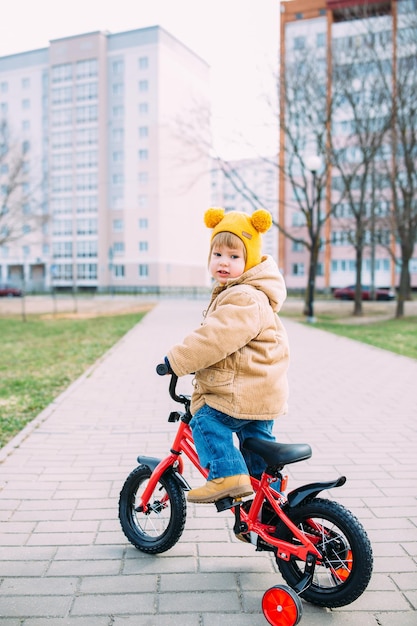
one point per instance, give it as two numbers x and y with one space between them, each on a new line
247 235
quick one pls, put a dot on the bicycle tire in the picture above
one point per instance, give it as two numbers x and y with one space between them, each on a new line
346 550
162 525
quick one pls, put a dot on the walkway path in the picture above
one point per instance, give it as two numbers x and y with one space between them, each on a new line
64 559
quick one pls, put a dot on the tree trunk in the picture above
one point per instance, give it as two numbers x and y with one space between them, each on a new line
404 286
311 284
357 309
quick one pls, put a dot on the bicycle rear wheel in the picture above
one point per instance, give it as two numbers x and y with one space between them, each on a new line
346 554
161 526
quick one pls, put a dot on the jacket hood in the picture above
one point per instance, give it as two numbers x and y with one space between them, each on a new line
267 278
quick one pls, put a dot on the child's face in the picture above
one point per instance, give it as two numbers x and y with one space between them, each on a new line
226 263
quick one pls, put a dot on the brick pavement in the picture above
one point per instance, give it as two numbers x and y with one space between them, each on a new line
64 559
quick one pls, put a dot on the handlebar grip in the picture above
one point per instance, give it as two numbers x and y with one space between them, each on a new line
162 369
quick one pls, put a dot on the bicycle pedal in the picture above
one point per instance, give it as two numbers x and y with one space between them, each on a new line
224 504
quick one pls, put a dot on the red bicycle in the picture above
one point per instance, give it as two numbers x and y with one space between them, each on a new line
321 549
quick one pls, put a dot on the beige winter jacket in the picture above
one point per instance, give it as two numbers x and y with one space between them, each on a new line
240 352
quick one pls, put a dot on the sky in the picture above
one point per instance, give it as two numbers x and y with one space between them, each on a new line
237 38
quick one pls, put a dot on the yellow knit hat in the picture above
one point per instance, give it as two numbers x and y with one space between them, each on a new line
247 227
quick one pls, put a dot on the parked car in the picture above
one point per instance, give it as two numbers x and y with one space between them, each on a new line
10 291
348 293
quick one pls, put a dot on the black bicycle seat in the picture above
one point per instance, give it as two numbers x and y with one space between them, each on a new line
274 453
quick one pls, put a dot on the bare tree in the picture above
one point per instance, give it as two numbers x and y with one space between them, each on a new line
360 113
20 210
401 167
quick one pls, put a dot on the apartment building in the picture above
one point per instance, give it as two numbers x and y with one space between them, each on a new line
330 28
246 185
121 195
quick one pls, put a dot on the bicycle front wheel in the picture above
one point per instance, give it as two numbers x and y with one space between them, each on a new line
346 554
161 526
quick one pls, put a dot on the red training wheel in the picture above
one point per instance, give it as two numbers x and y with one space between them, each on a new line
282 606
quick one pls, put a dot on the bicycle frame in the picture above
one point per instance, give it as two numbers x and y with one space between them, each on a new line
184 443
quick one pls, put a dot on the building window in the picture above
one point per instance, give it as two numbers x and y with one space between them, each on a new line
62 117
143 177
117 203
4 87
87 226
143 155
85 114
143 86
87 271
87 91
118 247
61 95
61 183
87 136
143 270
61 72
25 83
117 67
143 222
143 108
86 182
143 132
142 201
118 134
118 156
117 89
320 40
87 204
119 271
143 246
88 158
63 272
143 63
62 249
297 246
299 43
26 104
297 269
61 161
61 205
118 111
117 179
87 68
118 226
86 249
62 227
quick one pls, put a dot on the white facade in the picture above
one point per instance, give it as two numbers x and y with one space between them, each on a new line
124 202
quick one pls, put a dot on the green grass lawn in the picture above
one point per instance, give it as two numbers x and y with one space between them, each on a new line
41 357
395 335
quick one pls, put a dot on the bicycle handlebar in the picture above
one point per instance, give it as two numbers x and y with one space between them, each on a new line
162 369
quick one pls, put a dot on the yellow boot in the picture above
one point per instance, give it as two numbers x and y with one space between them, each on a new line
233 486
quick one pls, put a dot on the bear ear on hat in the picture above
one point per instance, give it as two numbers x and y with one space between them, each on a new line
213 216
261 220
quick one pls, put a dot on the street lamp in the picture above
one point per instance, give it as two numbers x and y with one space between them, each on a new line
313 164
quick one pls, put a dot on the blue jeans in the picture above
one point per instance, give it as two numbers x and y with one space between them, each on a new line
213 438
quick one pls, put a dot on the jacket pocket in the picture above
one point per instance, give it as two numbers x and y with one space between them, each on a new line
216 382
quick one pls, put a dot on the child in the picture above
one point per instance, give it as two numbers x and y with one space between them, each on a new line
239 355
